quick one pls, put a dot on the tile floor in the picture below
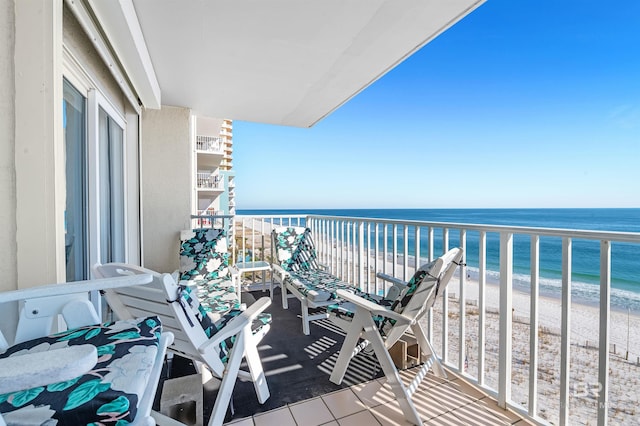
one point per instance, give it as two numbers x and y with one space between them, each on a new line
439 402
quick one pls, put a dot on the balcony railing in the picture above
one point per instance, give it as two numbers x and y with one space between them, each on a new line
545 368
210 144
207 181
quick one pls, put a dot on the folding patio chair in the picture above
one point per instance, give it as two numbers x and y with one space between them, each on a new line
299 273
382 322
216 340
91 373
204 266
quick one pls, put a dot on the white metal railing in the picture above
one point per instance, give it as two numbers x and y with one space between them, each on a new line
205 180
356 248
210 144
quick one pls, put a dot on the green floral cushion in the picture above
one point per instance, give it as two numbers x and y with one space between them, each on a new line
295 250
212 323
204 254
106 395
346 310
318 286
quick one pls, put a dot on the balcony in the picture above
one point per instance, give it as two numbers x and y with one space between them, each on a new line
210 145
550 359
207 182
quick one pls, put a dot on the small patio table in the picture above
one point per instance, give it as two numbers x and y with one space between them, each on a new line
257 266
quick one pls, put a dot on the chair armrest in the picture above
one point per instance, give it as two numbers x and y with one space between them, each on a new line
277 269
397 287
74 287
393 280
373 308
236 325
30 370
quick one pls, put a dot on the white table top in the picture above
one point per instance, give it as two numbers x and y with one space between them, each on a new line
253 266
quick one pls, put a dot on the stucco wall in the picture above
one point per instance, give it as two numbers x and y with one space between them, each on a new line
8 264
166 184
7 150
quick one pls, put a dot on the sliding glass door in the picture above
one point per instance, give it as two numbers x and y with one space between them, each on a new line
111 184
75 217
95 214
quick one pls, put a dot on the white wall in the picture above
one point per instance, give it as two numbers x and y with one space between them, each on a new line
8 266
39 148
7 153
167 158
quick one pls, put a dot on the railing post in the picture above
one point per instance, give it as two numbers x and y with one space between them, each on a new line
405 255
533 328
462 350
361 249
394 245
505 330
482 278
565 334
417 248
430 258
445 304
603 347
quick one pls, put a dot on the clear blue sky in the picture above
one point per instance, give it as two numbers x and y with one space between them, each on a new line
521 104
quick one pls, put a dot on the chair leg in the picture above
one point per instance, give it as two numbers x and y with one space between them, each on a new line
255 368
304 309
347 352
283 293
393 378
428 351
228 382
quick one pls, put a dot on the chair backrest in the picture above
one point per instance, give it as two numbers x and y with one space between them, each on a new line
294 249
204 254
179 313
422 290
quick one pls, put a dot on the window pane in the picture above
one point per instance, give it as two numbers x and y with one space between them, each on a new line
111 188
75 217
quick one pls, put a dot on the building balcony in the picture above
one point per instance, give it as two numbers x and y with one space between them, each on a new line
209 182
530 345
210 145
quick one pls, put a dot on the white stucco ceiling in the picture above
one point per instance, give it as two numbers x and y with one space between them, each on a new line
287 62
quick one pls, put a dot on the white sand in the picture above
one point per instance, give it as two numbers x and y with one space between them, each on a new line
624 374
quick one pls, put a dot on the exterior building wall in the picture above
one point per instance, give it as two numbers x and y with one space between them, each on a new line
39 148
8 260
8 266
167 164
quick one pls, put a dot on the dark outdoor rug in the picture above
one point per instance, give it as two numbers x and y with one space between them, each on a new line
297 367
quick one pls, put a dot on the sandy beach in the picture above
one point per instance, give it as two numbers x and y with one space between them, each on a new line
624 374
624 349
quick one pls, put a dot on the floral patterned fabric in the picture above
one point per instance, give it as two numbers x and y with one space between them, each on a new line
106 395
296 254
204 262
294 247
212 324
204 254
346 310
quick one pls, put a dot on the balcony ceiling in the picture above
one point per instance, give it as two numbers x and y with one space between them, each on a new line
288 62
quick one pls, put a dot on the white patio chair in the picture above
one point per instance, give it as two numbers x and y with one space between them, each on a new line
301 276
219 343
382 322
89 373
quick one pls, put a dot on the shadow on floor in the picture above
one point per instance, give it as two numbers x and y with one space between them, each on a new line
297 367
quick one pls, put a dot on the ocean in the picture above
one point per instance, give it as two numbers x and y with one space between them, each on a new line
625 258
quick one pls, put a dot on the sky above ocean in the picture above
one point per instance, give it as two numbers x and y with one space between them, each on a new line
521 104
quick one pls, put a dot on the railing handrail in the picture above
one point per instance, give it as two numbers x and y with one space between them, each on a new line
342 247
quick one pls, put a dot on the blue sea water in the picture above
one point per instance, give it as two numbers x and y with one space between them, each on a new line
625 258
